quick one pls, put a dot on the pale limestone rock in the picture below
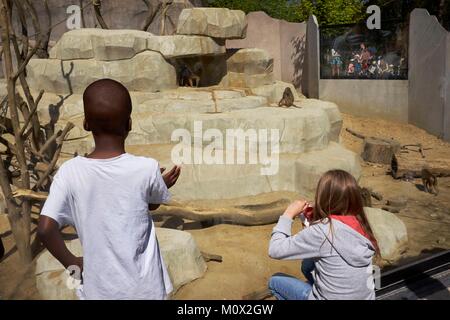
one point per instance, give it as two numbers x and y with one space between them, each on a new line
100 44
179 46
297 173
183 259
110 45
147 71
74 44
300 130
390 232
249 68
310 166
228 94
242 80
180 253
213 22
250 61
251 102
332 111
180 106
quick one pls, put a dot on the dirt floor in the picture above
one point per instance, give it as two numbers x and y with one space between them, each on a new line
246 266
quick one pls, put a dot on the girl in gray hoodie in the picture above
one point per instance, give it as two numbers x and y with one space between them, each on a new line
337 248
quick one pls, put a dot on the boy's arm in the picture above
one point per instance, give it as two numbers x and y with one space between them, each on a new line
49 234
55 214
169 178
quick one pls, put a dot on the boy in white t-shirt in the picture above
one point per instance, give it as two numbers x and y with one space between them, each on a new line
106 197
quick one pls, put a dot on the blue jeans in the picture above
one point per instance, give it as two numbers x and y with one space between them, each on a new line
285 287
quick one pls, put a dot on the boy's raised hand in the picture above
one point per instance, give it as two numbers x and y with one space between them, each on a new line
171 177
295 209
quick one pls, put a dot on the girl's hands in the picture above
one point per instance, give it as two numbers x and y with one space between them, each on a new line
295 209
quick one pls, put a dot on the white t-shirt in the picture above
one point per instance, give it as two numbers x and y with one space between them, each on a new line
106 200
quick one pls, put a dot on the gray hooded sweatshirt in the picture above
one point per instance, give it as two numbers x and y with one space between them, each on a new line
343 258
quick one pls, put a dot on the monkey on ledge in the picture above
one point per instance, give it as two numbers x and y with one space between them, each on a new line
287 99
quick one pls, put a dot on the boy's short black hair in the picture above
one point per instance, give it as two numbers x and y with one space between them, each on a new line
107 108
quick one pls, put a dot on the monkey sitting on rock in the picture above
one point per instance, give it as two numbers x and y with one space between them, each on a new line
287 99
188 78
429 181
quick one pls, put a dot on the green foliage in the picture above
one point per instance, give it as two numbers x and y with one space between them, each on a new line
331 12
400 9
327 11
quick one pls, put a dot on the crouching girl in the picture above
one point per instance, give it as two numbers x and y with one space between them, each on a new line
337 248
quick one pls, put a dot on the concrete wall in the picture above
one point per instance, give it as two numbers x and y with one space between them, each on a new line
285 41
311 66
429 74
447 94
387 99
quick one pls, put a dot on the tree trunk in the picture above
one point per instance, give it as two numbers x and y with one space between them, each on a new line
378 151
152 11
44 36
19 218
98 14
262 217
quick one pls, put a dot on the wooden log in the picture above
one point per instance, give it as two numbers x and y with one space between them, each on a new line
211 257
236 216
408 166
378 150
30 194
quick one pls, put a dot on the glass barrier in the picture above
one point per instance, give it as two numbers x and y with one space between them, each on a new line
355 52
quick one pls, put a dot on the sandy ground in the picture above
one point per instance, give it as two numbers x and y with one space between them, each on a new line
246 266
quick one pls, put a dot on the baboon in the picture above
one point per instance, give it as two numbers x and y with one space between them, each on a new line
429 182
366 197
287 99
188 78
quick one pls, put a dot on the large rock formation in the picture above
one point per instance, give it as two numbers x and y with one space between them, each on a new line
183 260
137 59
238 93
213 22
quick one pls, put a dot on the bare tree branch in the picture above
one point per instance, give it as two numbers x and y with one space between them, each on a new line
98 13
32 112
152 12
52 165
